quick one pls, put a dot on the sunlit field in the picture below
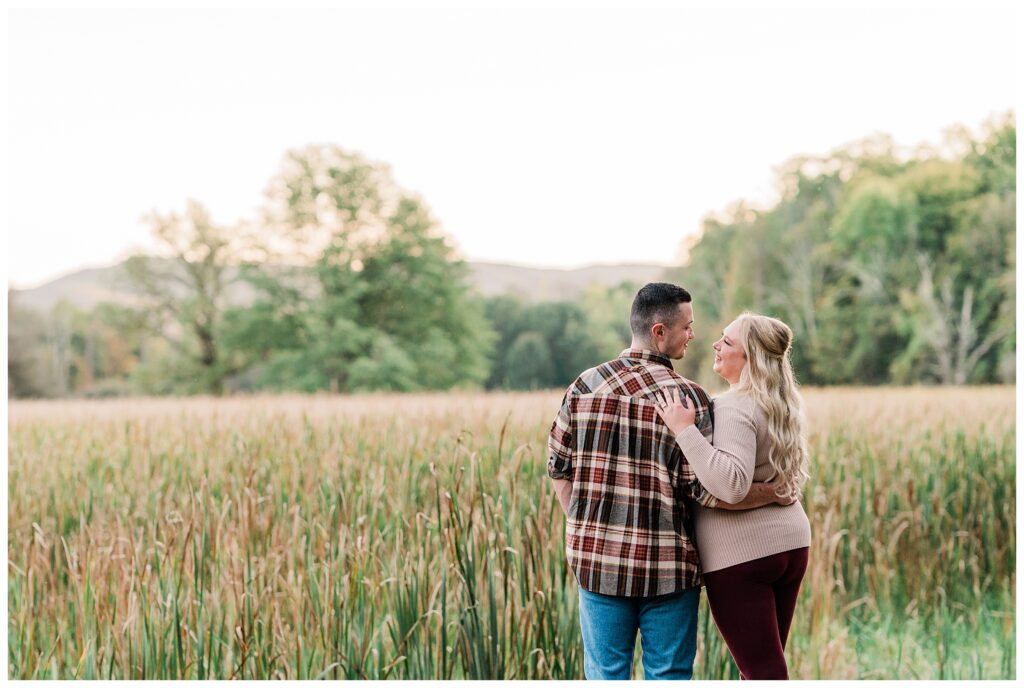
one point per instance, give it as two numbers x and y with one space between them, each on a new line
416 537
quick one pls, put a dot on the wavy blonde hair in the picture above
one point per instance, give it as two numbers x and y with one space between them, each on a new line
768 378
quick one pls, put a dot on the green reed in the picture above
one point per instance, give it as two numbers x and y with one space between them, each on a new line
416 537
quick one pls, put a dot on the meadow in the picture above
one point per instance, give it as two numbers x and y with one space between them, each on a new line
416 537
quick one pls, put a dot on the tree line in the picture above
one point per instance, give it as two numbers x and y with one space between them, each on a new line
890 267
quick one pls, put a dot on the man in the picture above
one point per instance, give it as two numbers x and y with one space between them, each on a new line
623 484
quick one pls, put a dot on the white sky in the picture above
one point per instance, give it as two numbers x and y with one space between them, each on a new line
554 138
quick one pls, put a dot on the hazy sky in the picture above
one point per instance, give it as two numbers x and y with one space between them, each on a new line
539 137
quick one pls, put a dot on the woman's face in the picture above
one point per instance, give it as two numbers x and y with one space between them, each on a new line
729 355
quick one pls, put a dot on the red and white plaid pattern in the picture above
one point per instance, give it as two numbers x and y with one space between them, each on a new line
629 530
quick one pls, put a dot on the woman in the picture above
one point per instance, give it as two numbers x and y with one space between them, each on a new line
753 561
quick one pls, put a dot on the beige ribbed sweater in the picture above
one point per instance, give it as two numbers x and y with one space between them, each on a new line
739 456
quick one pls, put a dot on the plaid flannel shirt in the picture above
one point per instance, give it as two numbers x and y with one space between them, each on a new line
629 530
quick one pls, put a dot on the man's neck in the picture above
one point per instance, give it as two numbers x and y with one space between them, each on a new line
644 346
646 351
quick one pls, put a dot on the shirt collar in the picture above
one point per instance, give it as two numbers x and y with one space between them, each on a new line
647 355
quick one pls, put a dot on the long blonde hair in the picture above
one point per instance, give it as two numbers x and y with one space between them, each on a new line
768 378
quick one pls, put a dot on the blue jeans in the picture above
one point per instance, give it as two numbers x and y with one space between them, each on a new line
668 634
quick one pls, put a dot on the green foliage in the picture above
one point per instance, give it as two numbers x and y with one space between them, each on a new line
383 303
887 269
529 361
26 366
68 351
607 311
541 345
185 296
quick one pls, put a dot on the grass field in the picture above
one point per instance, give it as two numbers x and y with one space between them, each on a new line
417 537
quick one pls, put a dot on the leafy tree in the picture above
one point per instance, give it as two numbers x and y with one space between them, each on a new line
185 293
607 316
542 345
505 317
69 351
379 301
529 357
27 374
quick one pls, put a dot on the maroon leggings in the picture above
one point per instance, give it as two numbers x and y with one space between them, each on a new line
753 605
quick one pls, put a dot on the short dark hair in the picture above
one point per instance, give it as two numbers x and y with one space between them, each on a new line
656 302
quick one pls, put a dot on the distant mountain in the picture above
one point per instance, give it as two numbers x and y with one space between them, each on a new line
86 288
546 284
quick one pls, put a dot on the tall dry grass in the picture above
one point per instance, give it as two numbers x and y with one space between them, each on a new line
416 537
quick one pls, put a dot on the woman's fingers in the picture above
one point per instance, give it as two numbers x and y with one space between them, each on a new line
679 398
665 400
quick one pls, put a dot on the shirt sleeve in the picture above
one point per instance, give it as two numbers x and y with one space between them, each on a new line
702 496
562 441
725 469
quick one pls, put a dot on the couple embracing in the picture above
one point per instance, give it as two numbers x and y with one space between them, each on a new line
664 493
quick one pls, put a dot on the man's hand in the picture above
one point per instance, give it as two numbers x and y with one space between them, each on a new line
563 490
760 494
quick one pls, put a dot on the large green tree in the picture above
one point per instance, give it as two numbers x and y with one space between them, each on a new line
376 298
540 345
184 293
